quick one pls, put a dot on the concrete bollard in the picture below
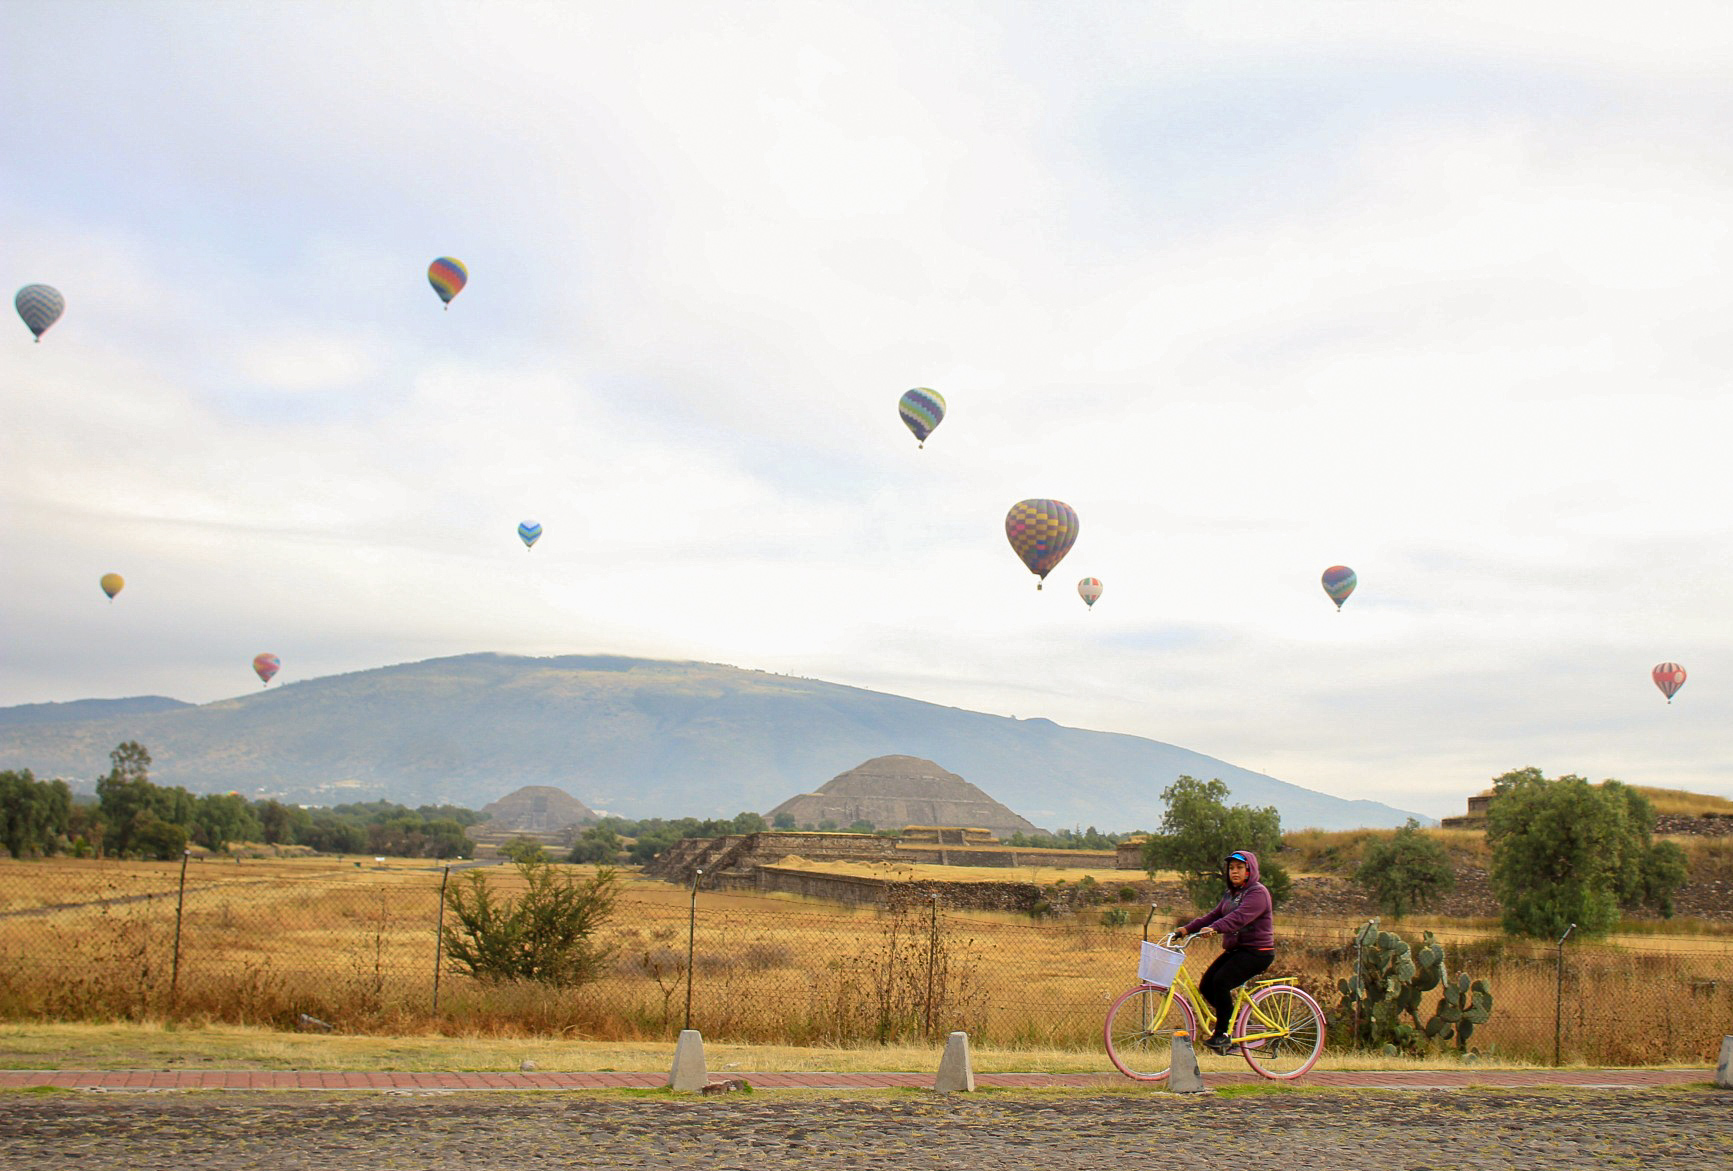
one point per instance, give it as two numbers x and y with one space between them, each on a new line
1724 1071
955 1074
689 1075
1183 1074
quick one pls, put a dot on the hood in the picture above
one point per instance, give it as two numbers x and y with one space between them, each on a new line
1251 867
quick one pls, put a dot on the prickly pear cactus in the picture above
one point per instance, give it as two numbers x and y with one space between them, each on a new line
1461 1006
1380 1002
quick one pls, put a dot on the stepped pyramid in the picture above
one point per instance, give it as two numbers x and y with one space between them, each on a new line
896 791
534 809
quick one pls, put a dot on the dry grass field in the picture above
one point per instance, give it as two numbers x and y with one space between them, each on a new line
265 941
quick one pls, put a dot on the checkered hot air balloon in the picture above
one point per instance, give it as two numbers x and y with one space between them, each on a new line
1041 532
1339 582
1089 589
447 275
40 306
1669 677
529 532
921 410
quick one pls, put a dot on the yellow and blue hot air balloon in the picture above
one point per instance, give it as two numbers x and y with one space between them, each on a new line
529 532
1041 532
447 275
1339 582
112 584
40 306
922 410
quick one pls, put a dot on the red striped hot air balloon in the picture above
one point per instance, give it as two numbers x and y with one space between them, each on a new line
1669 677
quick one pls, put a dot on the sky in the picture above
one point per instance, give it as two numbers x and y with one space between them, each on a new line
1438 291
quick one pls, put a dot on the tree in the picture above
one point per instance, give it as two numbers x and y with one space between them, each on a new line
1406 871
221 818
35 816
1199 829
124 794
547 934
152 837
524 848
1565 851
598 843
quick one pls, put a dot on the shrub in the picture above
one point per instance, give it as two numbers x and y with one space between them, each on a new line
547 934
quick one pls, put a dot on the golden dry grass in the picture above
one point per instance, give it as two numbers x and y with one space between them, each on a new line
264 942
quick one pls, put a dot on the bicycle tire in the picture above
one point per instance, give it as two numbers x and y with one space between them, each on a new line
1287 1009
1139 1045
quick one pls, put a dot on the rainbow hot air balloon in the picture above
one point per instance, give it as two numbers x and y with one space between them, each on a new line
1089 589
1669 677
112 584
1339 582
447 275
921 410
529 532
1041 532
40 306
266 666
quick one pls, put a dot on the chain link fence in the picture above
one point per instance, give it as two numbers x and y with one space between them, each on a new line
354 946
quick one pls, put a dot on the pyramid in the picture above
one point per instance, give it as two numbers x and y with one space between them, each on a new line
896 791
535 809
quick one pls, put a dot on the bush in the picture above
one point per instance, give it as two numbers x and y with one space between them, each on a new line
1405 872
547 934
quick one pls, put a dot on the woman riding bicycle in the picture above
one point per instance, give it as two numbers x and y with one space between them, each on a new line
1246 922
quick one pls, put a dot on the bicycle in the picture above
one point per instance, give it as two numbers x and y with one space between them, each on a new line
1277 1027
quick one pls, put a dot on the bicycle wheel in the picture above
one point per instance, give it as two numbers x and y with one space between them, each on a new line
1287 1031
1140 1029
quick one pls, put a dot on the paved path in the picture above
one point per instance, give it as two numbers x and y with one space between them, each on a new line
257 1079
423 1121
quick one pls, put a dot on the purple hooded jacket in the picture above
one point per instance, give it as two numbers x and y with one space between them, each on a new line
1245 917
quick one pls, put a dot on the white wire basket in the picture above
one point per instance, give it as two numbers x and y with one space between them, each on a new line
1158 965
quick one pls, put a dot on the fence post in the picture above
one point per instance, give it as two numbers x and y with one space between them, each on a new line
174 980
1559 995
932 963
439 939
691 937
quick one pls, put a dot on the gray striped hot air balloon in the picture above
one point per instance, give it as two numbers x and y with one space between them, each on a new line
40 306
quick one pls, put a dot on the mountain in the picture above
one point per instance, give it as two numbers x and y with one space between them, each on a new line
895 791
638 737
87 709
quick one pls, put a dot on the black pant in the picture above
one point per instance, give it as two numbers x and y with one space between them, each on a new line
1231 969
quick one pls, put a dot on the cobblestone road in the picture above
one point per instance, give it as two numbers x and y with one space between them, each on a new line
1351 1130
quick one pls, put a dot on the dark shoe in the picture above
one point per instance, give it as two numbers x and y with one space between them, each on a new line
1220 1043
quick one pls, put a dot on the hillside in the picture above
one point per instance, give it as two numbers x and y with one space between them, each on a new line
637 737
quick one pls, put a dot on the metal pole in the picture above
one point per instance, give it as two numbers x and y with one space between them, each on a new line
691 936
439 939
1559 995
932 963
174 979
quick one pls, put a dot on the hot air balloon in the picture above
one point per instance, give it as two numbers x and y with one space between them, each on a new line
447 275
266 666
1339 582
40 306
1089 589
922 410
112 584
1669 677
529 532
1042 532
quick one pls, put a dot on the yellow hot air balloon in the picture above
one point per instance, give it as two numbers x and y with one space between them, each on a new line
112 584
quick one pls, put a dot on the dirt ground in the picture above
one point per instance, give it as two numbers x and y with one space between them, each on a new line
1317 1130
